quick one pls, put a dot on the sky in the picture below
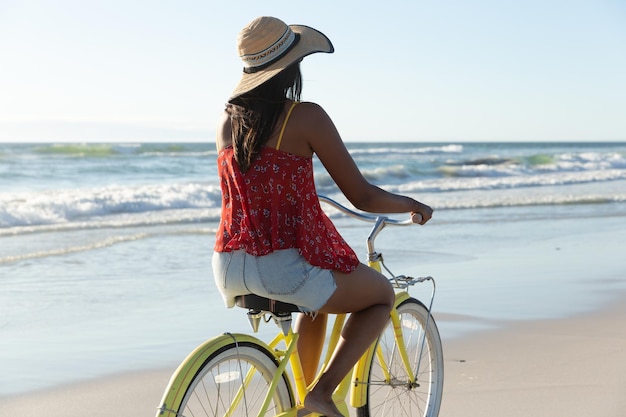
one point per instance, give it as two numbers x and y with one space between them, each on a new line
414 70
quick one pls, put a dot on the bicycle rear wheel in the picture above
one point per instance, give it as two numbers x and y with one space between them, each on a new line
234 381
389 391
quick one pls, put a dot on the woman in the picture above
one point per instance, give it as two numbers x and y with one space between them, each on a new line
274 240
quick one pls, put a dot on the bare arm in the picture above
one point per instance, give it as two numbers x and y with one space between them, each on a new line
325 141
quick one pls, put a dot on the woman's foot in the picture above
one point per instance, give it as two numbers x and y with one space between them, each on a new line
321 404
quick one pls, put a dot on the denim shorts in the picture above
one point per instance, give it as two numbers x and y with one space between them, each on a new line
282 275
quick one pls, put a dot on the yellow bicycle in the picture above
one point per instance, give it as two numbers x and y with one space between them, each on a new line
401 374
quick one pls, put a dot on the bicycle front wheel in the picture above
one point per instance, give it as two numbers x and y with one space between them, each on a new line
234 381
389 389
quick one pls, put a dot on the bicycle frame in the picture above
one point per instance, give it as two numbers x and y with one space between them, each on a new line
354 383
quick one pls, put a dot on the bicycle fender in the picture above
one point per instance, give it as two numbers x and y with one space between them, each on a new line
181 378
401 297
358 393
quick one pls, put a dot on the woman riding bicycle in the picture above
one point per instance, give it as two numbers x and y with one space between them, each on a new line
274 240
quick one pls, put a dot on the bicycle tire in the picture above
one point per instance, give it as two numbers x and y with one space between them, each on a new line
396 396
217 382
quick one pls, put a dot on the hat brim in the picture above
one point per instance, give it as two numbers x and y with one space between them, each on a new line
310 42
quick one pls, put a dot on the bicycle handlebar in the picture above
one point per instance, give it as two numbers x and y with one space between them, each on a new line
367 217
379 221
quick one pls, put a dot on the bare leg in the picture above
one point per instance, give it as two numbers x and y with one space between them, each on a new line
369 297
310 343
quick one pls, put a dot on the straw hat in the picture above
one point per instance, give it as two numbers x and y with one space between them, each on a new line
267 46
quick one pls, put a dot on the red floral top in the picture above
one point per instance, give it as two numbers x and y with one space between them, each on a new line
273 206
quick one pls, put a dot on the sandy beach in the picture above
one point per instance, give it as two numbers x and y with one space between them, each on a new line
551 368
566 367
95 315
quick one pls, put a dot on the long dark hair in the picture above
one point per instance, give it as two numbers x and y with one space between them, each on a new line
254 115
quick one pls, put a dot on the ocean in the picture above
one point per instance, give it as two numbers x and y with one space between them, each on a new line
105 249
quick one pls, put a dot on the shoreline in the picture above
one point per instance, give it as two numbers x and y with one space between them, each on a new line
544 367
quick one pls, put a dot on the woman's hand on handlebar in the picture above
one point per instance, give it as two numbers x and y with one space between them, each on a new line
422 215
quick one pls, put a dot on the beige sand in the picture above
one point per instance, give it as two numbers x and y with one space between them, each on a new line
553 368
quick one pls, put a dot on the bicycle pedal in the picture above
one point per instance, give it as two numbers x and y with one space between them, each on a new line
303 412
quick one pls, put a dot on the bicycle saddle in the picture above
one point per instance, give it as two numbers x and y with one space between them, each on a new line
256 302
